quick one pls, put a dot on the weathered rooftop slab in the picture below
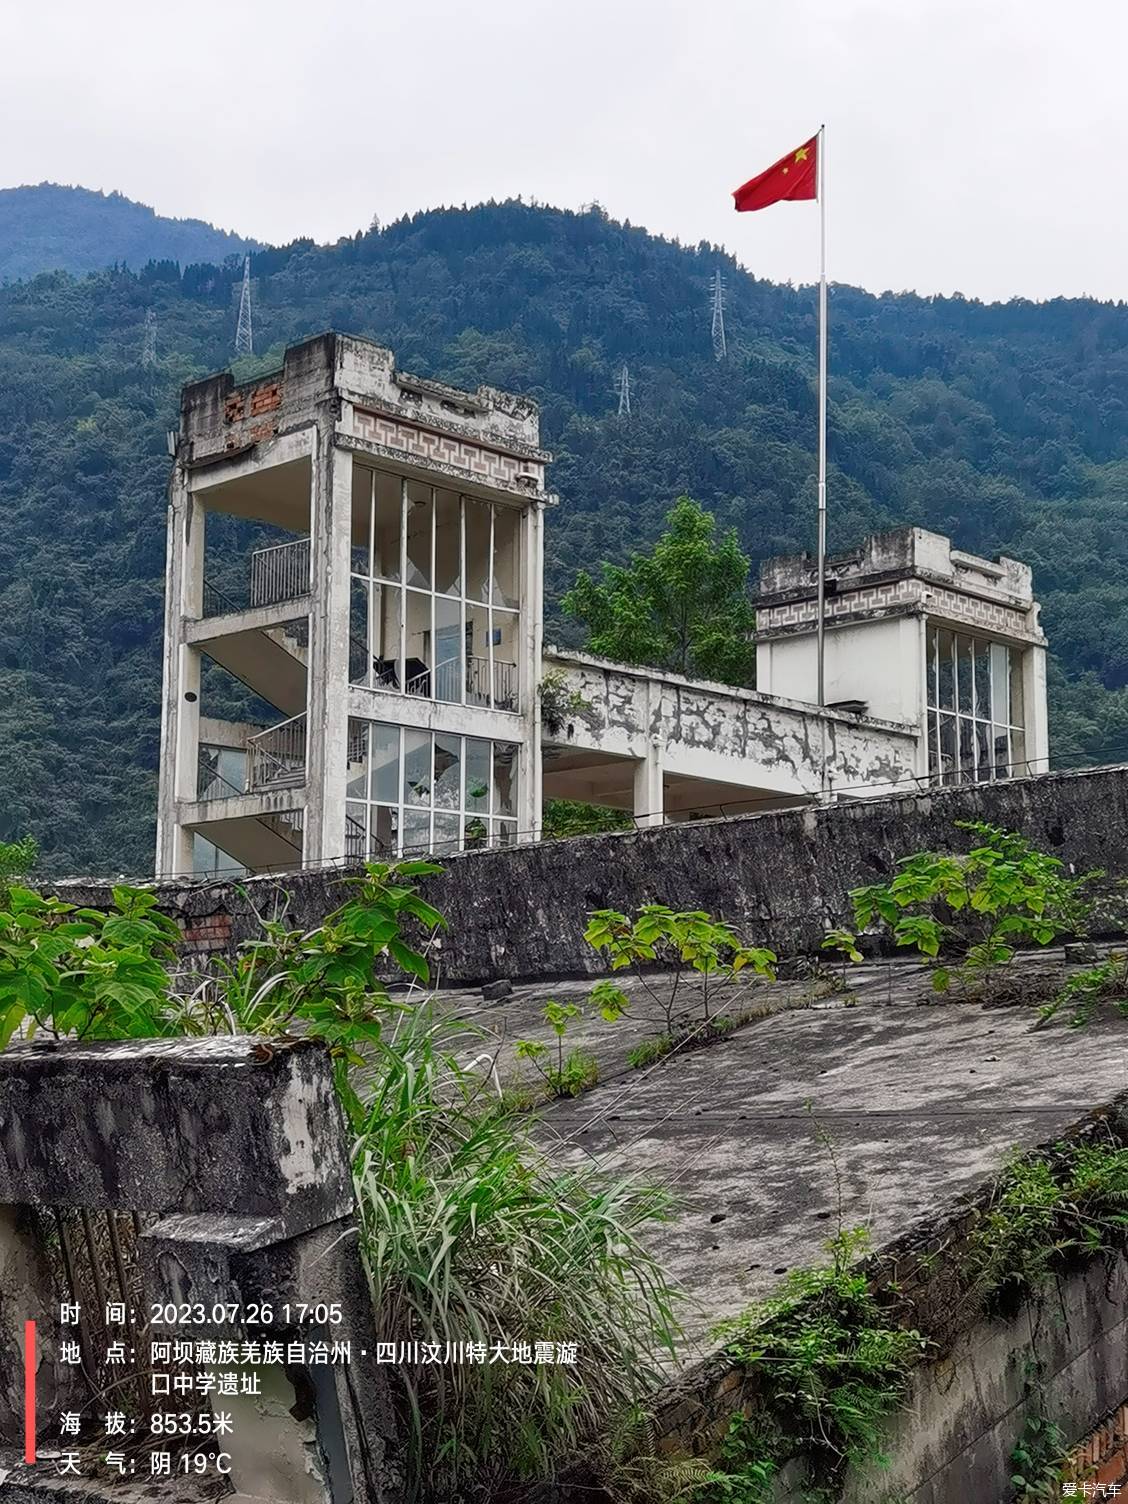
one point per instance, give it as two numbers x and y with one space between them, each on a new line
915 1102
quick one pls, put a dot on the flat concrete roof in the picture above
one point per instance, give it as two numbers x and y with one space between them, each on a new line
922 1101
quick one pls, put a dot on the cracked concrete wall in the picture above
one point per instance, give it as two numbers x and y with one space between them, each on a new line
968 1399
731 735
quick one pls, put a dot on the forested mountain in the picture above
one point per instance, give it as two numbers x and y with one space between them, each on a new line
48 227
1004 425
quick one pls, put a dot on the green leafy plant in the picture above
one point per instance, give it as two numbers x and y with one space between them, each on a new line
829 1365
631 1470
558 701
683 943
565 1075
1039 1452
469 1234
83 973
17 859
974 907
845 942
325 983
1083 993
1036 1459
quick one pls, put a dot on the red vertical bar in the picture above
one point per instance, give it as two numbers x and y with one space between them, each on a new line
29 1391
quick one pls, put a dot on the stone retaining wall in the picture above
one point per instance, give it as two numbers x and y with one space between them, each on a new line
782 878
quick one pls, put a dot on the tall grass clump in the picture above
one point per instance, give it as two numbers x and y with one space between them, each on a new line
472 1235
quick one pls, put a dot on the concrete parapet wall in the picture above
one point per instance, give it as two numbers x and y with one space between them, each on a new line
969 1400
781 878
232 1157
714 731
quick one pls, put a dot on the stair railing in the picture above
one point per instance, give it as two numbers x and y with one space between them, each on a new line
280 573
276 757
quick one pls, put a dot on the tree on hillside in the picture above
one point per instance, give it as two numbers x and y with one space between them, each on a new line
683 606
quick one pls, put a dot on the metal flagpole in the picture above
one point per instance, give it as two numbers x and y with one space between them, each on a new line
821 595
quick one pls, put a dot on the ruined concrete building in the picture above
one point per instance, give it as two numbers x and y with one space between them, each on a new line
393 637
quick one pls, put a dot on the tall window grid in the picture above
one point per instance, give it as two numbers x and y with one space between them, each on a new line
412 791
976 727
435 593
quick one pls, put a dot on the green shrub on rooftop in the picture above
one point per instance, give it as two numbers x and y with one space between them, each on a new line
701 954
965 913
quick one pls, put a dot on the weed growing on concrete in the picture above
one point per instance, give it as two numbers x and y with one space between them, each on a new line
693 1037
1038 1455
845 942
77 973
974 907
472 1236
687 944
558 701
564 1075
1086 990
1048 1212
631 1470
829 1365
650 1051
469 1234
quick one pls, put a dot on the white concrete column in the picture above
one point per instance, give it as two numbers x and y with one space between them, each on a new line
327 696
649 795
649 792
764 669
921 758
1036 710
531 788
180 698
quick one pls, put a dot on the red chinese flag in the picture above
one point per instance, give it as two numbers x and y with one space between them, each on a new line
793 177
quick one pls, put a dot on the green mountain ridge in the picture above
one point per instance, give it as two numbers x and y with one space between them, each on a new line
1004 425
53 227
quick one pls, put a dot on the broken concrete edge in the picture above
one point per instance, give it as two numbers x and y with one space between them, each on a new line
783 878
228 1126
240 1149
911 1274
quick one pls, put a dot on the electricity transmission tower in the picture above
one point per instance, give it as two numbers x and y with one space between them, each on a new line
720 349
244 337
623 387
149 343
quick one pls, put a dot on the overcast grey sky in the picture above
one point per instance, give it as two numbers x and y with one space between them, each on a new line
976 145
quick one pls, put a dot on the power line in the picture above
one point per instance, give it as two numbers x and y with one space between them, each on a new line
244 335
720 348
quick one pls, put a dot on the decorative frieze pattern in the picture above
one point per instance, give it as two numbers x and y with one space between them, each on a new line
990 616
449 449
